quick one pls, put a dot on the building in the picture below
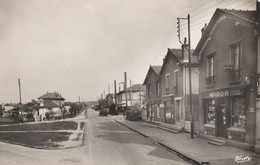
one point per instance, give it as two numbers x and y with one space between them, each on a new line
153 95
227 53
257 144
135 96
51 103
175 88
110 100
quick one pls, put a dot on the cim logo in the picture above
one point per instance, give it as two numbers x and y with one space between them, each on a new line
242 159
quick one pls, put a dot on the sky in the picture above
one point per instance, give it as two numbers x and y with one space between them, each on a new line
79 47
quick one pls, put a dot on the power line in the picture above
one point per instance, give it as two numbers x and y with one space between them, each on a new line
196 8
172 27
244 4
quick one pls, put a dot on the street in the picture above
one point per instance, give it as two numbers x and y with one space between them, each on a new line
105 142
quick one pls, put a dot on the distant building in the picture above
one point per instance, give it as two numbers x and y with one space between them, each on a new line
167 90
51 102
135 95
67 106
153 95
110 100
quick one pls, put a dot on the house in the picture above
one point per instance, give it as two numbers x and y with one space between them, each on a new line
135 96
67 106
227 53
175 88
153 94
7 109
110 100
51 103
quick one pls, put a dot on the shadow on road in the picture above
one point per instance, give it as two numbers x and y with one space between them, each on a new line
123 135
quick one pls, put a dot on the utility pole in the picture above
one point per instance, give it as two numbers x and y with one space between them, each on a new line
108 89
20 94
115 95
191 106
189 51
131 93
126 105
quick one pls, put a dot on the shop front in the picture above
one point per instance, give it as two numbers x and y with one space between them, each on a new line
154 111
169 110
224 113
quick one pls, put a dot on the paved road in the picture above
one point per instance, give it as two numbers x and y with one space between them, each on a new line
106 142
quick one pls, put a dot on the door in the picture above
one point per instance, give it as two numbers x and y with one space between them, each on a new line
168 113
222 118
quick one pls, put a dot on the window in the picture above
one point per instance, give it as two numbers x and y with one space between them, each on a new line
236 62
157 88
175 81
238 112
210 73
210 113
149 90
167 82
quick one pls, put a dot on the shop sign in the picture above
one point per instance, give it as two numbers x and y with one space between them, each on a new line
224 93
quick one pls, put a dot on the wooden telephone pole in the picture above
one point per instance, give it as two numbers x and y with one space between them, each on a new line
20 93
189 50
126 105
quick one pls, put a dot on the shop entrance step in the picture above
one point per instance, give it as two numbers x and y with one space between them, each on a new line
218 142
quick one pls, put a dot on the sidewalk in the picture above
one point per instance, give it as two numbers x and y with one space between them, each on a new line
196 149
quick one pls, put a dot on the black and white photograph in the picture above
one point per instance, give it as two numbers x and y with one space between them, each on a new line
130 82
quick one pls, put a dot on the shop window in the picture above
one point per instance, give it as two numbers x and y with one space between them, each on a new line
157 110
148 110
239 112
210 111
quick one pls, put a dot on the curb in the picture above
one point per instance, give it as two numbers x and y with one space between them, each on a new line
178 152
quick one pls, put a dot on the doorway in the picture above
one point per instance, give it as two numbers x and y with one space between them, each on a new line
222 119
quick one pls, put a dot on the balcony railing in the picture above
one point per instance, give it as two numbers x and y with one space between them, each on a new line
210 80
167 91
235 75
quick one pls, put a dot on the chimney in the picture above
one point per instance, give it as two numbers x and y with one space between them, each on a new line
203 29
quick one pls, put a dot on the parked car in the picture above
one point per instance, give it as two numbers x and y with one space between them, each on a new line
103 112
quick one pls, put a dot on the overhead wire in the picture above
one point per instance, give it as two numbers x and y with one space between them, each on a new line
195 22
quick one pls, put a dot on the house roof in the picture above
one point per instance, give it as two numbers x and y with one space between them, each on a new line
50 104
245 17
177 54
52 96
110 94
67 103
156 69
134 88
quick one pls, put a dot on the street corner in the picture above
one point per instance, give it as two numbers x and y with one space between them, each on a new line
75 139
